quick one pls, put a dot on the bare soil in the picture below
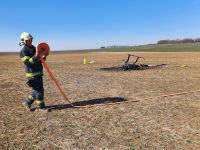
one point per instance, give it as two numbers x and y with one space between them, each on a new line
164 123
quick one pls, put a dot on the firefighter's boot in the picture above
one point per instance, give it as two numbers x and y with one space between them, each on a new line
28 104
41 104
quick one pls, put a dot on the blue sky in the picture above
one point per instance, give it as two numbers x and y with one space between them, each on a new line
87 24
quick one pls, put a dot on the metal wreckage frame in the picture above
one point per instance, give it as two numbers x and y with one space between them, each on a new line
127 65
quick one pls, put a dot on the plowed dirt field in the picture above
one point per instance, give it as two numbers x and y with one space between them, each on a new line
159 123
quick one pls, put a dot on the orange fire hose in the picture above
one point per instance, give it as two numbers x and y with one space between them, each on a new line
55 81
45 51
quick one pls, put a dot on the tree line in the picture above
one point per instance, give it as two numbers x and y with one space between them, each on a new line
186 40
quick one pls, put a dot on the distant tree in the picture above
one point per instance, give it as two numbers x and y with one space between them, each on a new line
187 40
163 42
172 41
103 47
197 40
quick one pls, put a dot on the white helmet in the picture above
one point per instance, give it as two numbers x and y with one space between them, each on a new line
25 36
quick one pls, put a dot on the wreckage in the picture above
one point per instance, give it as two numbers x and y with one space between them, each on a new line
127 65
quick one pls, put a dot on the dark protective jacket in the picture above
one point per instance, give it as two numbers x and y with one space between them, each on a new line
33 65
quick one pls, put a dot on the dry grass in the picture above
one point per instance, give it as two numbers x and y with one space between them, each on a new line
160 123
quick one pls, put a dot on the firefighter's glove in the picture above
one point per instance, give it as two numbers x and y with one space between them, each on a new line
38 52
44 57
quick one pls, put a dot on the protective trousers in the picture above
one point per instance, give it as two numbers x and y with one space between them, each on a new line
36 83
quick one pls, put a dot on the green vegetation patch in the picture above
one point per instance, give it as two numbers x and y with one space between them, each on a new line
189 47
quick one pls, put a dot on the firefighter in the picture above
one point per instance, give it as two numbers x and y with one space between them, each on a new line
34 71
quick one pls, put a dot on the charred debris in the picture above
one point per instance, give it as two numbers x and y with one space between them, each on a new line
134 65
